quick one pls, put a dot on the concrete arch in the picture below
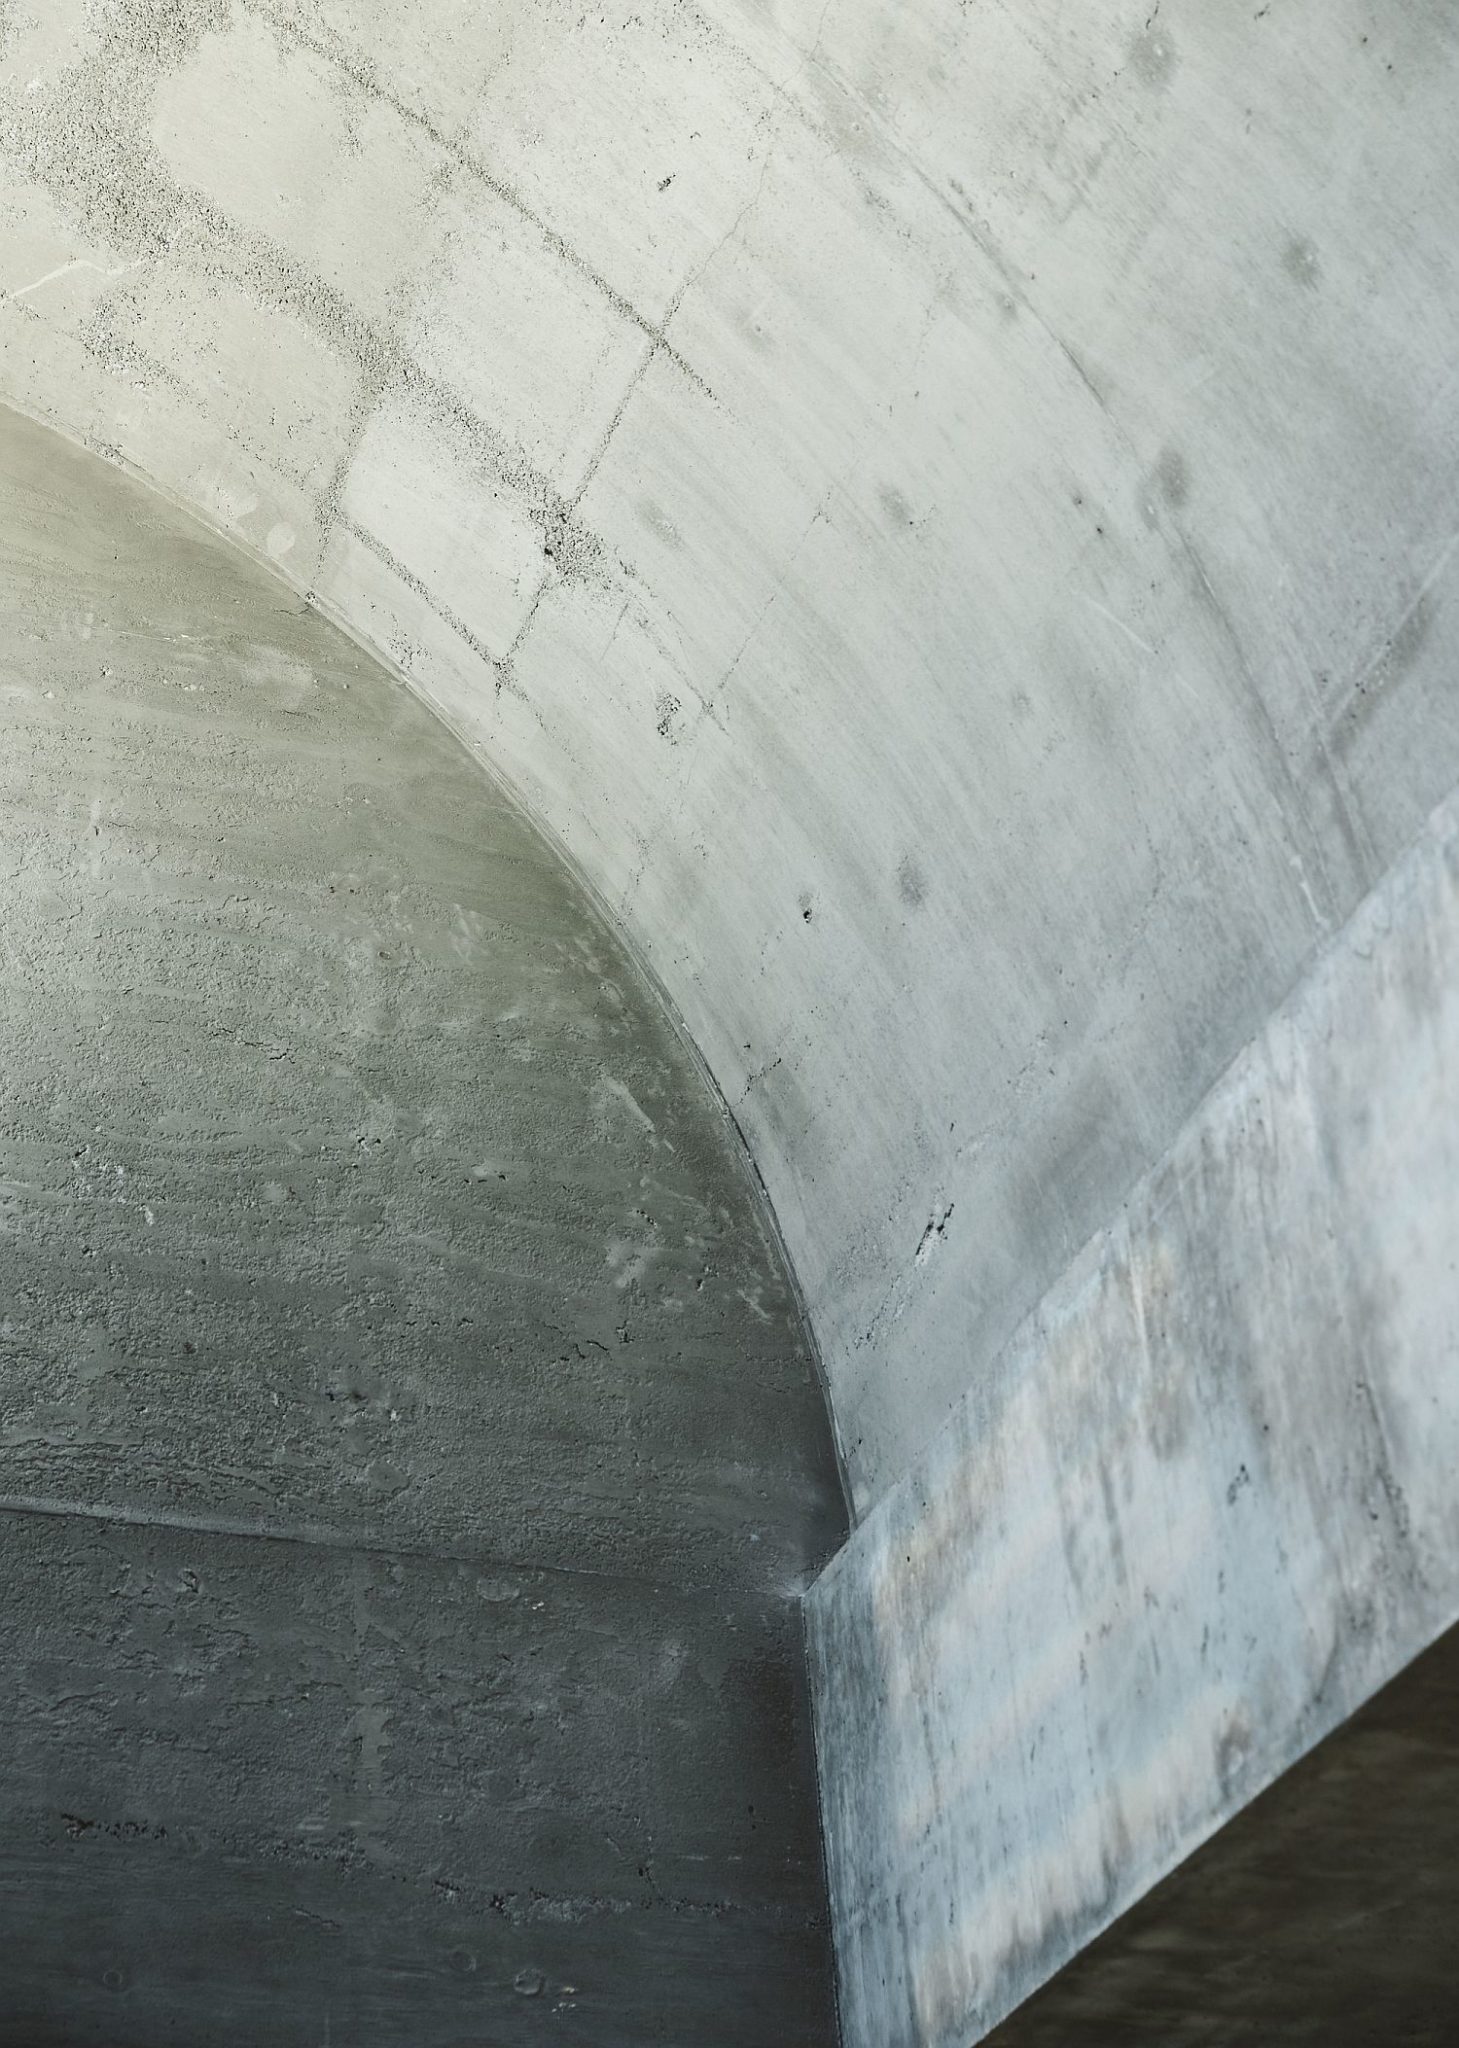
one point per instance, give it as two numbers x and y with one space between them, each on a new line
948 515
949 520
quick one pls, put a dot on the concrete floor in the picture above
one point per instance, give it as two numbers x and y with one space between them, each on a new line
1323 1916
410 1457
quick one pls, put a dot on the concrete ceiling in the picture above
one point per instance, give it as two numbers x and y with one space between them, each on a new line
946 513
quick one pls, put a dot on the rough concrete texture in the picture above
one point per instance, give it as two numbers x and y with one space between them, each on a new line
949 513
1323 1914
1201 1508
409 1454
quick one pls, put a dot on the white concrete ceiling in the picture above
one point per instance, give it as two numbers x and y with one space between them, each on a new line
947 512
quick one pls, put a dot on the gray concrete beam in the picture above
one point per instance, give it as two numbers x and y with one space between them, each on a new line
1201 1510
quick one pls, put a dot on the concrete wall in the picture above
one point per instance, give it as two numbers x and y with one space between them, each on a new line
1201 1506
948 513
410 1457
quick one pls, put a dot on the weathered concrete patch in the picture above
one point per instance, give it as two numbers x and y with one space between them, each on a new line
1322 1912
1022 451
1200 1508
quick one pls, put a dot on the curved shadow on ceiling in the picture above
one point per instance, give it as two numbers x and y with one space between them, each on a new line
411 1452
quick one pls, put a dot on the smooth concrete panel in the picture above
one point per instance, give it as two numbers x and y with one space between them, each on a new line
1202 1508
410 1452
948 513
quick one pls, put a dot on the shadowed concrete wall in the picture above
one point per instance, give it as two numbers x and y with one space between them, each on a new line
949 513
1202 1506
409 1455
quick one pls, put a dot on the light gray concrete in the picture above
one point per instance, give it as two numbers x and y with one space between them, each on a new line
948 512
409 1454
1201 1507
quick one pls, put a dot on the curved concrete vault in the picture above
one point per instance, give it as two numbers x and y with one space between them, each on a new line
947 514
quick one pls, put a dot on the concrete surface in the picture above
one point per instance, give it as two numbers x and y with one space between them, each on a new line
950 516
1201 1510
409 1453
1324 1913
948 512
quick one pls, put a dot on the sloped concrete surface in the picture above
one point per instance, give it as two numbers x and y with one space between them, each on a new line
409 1454
1203 1510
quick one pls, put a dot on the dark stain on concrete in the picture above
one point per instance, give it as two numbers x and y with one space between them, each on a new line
1395 657
1172 479
1301 262
912 884
1410 635
1152 53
